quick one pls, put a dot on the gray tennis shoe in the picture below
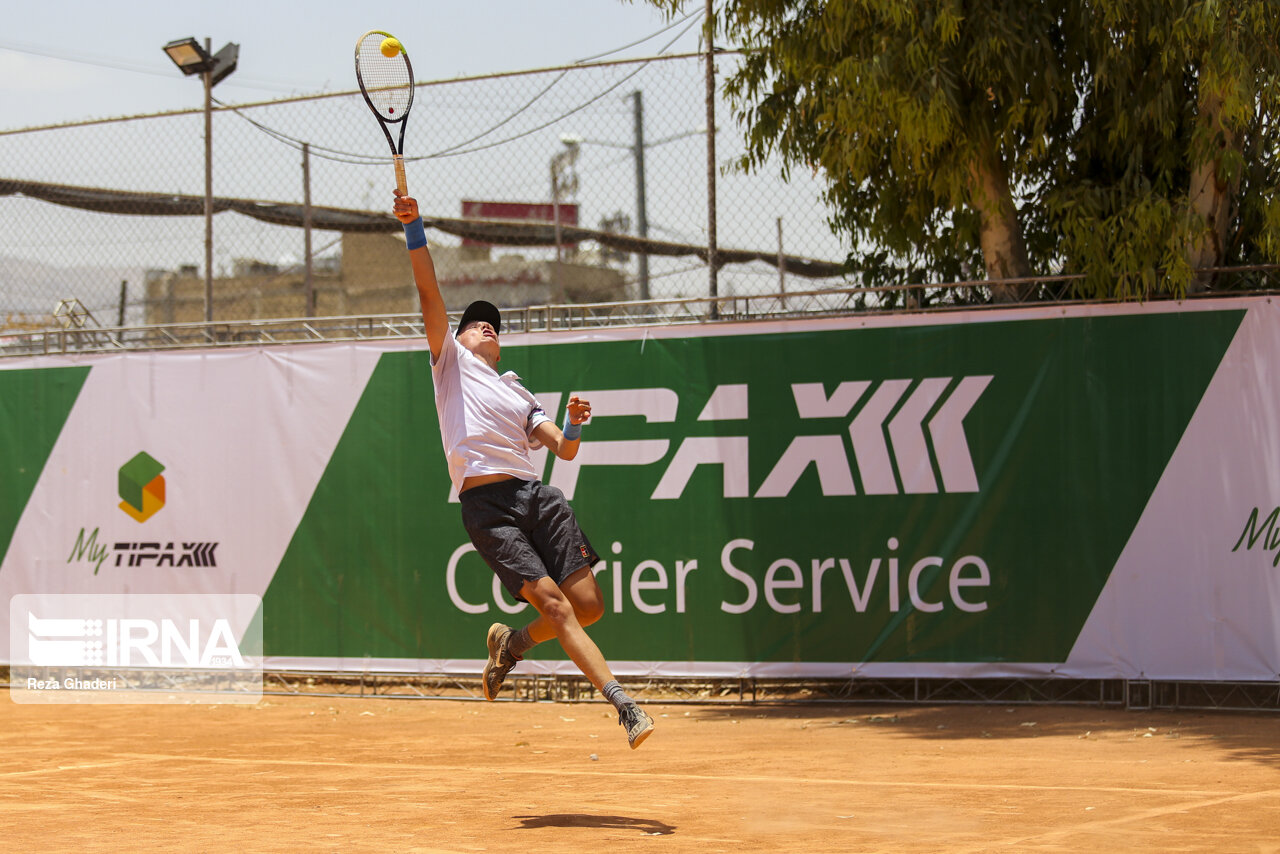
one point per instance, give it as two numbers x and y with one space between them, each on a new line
500 660
636 722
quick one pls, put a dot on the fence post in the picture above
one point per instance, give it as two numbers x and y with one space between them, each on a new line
308 283
782 268
642 215
712 260
208 191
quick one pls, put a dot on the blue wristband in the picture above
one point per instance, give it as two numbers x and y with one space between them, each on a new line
415 236
571 431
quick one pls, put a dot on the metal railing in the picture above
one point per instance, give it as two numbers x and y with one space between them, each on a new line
85 337
1132 695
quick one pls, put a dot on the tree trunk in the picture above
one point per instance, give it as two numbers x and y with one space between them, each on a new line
1211 198
1003 251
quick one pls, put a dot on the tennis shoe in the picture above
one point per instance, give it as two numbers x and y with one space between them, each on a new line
500 660
636 722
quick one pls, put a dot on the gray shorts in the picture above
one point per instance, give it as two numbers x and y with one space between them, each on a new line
525 530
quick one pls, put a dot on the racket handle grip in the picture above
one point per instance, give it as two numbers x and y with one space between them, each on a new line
401 184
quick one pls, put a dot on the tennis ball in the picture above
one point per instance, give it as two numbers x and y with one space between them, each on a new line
390 47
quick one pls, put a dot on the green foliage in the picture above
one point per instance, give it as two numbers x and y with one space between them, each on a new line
1100 113
893 104
1122 200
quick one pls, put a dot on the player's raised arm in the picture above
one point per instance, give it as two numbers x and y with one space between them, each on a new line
435 319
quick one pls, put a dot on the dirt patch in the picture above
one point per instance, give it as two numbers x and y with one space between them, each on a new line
313 773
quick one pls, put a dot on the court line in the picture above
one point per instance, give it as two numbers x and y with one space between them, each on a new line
57 769
673 776
1095 826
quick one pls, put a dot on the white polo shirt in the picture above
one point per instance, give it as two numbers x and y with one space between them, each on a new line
486 418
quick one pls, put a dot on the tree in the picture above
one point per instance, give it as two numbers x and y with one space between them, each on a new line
1175 156
925 121
1132 141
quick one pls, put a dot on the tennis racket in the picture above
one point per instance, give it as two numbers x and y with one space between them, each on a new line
386 82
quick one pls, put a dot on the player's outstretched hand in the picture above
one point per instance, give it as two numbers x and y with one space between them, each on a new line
579 410
406 208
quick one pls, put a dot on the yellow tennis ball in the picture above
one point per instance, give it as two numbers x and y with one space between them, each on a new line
390 47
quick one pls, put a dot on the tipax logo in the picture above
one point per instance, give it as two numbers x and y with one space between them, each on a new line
141 486
892 437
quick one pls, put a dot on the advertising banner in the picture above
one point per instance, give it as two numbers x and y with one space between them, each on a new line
1086 491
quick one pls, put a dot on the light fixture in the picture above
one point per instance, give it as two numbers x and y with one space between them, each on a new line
189 56
192 58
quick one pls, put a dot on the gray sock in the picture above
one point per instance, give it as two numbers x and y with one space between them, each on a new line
614 694
520 643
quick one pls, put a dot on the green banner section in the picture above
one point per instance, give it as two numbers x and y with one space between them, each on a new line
941 493
34 404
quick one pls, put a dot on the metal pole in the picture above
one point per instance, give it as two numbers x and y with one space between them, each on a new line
208 189
124 295
712 260
555 206
782 269
642 216
308 283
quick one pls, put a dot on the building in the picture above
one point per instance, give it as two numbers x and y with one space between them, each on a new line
373 277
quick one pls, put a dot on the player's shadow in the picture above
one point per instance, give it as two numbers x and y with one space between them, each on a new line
647 826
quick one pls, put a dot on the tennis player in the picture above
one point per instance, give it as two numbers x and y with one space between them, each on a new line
524 529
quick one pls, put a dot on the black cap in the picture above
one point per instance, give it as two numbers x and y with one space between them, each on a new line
481 310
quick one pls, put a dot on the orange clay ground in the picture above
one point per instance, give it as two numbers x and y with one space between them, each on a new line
310 773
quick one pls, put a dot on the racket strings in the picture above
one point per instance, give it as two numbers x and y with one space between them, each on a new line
385 80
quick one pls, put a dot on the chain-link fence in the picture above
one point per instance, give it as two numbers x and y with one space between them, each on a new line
611 156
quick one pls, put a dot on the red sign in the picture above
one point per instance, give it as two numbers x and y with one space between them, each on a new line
542 212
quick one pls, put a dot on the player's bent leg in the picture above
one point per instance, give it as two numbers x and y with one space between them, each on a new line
557 613
583 592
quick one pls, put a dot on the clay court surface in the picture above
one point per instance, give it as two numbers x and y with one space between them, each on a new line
320 774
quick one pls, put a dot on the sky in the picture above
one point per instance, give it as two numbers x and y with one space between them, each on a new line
75 60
